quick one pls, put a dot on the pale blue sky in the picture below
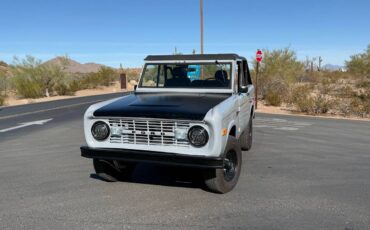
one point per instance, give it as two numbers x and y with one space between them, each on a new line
116 31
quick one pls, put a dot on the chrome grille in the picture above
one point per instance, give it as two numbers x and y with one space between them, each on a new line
147 132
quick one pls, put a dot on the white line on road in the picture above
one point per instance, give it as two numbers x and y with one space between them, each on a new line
279 124
22 125
51 109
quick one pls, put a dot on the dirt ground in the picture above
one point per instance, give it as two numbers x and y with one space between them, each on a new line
262 108
12 100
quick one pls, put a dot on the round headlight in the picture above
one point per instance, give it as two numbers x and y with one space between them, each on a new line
100 130
198 136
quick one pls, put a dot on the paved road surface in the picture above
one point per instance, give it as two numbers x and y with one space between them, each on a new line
302 173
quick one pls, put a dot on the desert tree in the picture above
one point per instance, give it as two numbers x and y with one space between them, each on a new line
359 64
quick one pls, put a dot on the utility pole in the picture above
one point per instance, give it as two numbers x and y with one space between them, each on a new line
256 89
201 37
201 27
259 57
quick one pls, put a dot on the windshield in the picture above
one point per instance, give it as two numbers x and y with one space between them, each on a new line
199 75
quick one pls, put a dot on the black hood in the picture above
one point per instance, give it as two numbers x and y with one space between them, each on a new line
162 105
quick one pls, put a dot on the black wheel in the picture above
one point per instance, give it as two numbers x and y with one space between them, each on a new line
112 171
224 180
247 137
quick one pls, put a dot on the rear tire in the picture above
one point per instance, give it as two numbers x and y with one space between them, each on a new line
247 136
112 171
224 180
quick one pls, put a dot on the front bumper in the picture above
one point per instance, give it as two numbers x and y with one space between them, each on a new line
152 157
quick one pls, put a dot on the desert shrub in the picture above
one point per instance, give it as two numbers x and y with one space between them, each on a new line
32 79
66 89
61 89
360 104
343 106
300 98
90 81
366 108
2 100
275 92
363 83
27 78
345 91
325 87
321 104
3 83
309 77
107 76
304 101
359 64
273 98
27 87
67 85
104 77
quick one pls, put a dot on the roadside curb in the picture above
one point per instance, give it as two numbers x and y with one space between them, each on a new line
316 116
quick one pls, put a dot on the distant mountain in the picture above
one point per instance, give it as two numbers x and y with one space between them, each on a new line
4 67
330 67
2 63
74 66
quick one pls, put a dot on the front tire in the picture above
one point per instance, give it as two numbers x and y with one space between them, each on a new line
225 179
112 171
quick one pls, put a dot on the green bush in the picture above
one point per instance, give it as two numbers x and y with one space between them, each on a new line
28 79
2 100
64 89
363 83
104 77
302 99
273 98
360 104
3 83
346 92
67 86
321 104
359 64
27 87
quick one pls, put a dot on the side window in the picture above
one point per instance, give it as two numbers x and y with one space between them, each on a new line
247 74
161 77
241 75
150 76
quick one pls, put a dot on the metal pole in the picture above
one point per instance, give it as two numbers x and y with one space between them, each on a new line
255 91
201 26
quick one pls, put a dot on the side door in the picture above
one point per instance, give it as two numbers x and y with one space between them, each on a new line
250 87
243 97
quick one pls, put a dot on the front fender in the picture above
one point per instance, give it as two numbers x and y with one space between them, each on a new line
222 116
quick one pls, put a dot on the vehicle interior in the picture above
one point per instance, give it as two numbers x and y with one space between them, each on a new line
187 76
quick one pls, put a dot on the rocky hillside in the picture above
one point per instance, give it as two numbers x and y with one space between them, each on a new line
74 66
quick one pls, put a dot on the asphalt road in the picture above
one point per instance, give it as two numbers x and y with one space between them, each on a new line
302 173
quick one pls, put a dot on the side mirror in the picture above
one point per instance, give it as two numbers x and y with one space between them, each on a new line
244 89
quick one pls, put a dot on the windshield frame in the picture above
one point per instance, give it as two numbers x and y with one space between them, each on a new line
198 90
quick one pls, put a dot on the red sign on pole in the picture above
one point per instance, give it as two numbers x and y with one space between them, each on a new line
259 56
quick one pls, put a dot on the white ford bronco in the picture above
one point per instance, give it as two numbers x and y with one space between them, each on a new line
187 110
